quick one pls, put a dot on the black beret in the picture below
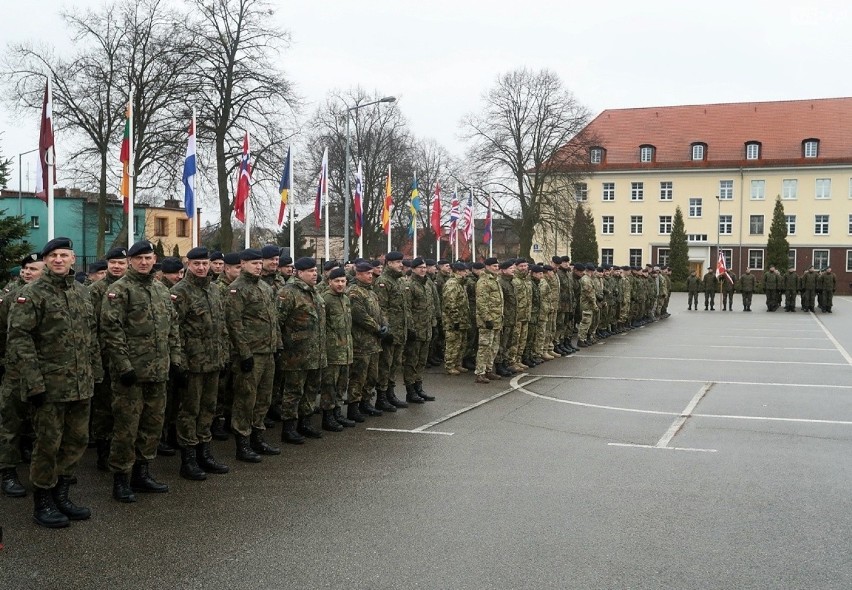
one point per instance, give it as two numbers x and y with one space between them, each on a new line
478 266
490 261
358 261
391 256
417 262
375 263
556 259
171 264
80 277
116 253
337 273
507 264
270 251
305 263
232 258
198 253
57 244
34 257
363 267
406 263
458 266
431 262
579 266
251 254
536 268
141 247
157 267
284 261
605 266
329 264
216 255
97 266
565 259
547 268
443 261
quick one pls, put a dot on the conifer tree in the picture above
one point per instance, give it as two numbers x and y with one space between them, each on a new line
678 249
777 246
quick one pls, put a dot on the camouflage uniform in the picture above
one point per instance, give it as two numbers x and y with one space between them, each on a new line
625 289
489 321
420 329
473 332
553 291
101 411
747 283
728 287
808 286
827 286
507 334
367 319
225 396
523 296
772 284
542 336
692 285
276 283
792 284
711 285
391 294
338 349
456 320
14 411
535 311
565 308
588 306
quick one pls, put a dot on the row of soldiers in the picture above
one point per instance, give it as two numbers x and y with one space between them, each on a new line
815 287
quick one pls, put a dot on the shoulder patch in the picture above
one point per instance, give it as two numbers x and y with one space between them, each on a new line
22 300
111 296
173 296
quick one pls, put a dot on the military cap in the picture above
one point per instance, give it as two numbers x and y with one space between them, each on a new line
406 263
556 259
171 264
216 255
431 262
491 260
478 266
328 265
458 266
391 256
198 253
363 267
157 267
375 263
116 253
336 273
536 268
34 257
547 268
579 266
443 261
625 268
251 254
232 258
358 261
57 244
507 264
270 251
80 277
305 263
565 259
139 248
284 261
418 262
97 266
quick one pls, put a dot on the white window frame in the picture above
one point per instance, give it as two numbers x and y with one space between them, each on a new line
696 206
758 190
646 154
726 225
752 151
666 190
581 192
596 155
848 260
762 224
793 193
35 222
696 238
820 224
607 252
827 258
634 252
637 191
792 263
608 191
697 152
728 254
811 149
666 222
822 188
752 263
850 224
637 225
607 223
108 224
726 190
790 222
661 261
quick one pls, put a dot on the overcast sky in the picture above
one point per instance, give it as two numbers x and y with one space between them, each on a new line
439 56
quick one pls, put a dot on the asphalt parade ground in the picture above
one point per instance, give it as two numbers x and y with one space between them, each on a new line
708 450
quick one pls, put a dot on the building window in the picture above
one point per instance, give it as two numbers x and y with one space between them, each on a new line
161 226
665 225
758 190
607 256
791 224
821 225
752 150
726 190
34 223
596 155
646 153
755 259
823 188
182 228
663 257
666 190
609 191
138 226
726 225
810 148
755 225
637 191
849 261
581 191
695 207
850 224
791 258
635 257
821 259
850 188
696 237
728 255
789 188
635 224
108 224
607 224
698 151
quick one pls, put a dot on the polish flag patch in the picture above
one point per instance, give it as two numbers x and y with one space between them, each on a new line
174 297
21 300
111 296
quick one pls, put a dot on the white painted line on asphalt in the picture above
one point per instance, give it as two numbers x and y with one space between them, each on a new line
411 431
684 416
709 360
834 341
752 347
764 337
656 448
655 379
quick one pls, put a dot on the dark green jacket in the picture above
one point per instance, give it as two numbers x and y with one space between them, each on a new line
367 319
252 318
390 291
301 315
200 308
338 328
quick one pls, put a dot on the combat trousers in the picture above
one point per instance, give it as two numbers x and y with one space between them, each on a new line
472 339
561 330
454 347
363 377
506 337
827 300
225 396
529 345
771 297
13 414
62 434
710 299
808 296
489 342
552 331
747 300
300 392
542 336
414 360
335 382
197 407
596 320
728 299
138 412
790 300
277 383
692 298
390 362
519 341
586 324
436 346
253 394
101 412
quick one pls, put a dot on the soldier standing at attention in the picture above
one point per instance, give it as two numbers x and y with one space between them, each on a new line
792 284
172 268
542 330
391 293
476 271
301 316
53 349
338 351
172 274
808 285
710 282
456 319
507 273
747 288
419 333
217 264
140 332
729 281
255 339
588 304
489 321
201 313
827 287
222 422
771 286
692 285
285 268
523 313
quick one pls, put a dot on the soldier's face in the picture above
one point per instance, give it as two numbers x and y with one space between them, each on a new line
377 270
432 270
285 271
445 269
143 263
32 271
217 266
199 268
337 285
493 268
522 267
394 265
421 270
60 261
365 277
97 276
254 267
270 264
509 272
309 276
232 271
117 267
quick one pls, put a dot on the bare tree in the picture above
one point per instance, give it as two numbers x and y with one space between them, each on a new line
518 141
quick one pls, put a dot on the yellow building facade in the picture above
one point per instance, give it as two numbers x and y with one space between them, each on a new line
170 225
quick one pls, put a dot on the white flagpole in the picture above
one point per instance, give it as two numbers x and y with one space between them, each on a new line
456 230
491 229
248 199
131 230
414 216
390 210
290 205
324 189
195 222
363 207
472 227
50 162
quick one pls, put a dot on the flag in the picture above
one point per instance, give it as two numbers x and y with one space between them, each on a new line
284 188
413 207
243 182
467 221
356 201
720 265
189 173
125 157
436 211
322 189
455 210
386 206
486 234
45 145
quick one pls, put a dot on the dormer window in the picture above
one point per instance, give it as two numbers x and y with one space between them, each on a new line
646 153
752 150
810 148
699 151
596 155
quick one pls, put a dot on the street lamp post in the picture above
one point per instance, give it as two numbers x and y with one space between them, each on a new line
20 182
346 196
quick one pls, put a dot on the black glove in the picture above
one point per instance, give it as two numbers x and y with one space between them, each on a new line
412 335
38 400
129 378
382 330
178 375
277 355
387 338
489 325
2 371
247 365
457 327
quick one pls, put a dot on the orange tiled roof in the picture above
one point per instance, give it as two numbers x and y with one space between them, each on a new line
780 127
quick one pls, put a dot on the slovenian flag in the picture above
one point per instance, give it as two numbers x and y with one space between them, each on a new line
189 172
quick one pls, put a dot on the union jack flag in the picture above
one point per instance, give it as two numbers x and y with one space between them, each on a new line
455 211
467 222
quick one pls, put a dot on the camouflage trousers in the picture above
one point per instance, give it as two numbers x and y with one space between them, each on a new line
472 339
532 331
278 383
197 407
138 412
455 342
363 377
390 363
252 395
747 300
300 393
552 330
225 396
414 360
436 346
728 299
335 382
710 299
542 337
790 299
692 299
101 413
13 413
489 342
586 324
808 297
561 330
519 342
62 434
507 335
624 312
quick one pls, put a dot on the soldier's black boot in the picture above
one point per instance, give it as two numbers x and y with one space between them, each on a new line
411 394
207 461
390 394
341 419
305 428
260 446
11 485
353 414
141 480
121 488
189 468
244 450
45 511
217 429
329 423
102 447
382 402
289 434
365 407
164 449
64 504
418 387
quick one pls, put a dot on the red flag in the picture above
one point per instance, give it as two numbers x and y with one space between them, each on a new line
486 234
436 211
721 269
125 158
359 191
45 145
322 189
388 203
243 182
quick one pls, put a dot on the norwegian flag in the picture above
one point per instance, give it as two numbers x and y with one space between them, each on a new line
467 221
455 210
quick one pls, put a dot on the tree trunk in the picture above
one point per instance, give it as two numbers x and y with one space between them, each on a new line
226 232
102 203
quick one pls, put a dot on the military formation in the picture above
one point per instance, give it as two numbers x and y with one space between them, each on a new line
139 358
813 288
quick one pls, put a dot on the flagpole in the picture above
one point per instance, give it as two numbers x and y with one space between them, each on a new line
390 210
414 217
363 208
50 162
195 222
490 229
455 229
130 171
290 203
472 227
